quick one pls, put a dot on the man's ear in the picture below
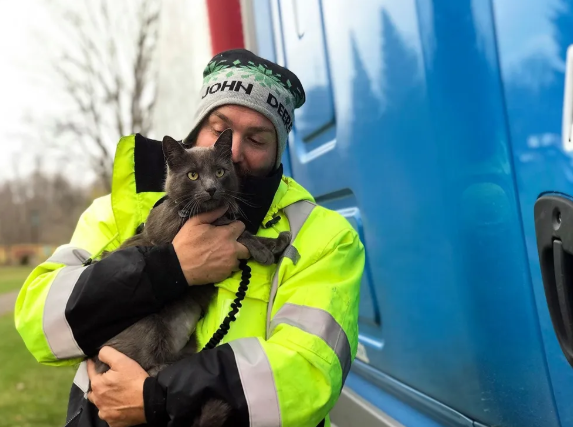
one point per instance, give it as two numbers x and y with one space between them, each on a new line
174 153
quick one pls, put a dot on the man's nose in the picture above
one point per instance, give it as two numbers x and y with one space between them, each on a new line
237 148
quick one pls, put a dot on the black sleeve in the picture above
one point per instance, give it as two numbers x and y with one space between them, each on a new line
121 289
175 397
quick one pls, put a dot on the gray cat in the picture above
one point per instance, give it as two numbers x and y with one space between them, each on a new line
198 180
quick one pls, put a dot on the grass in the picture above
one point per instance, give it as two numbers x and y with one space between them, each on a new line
12 278
31 395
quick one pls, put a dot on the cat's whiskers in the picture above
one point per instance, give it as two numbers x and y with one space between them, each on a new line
241 199
183 200
233 207
237 209
239 193
194 208
188 206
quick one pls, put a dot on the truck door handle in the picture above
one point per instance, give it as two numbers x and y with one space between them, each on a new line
554 231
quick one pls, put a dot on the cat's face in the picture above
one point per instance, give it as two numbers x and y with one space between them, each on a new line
255 139
201 179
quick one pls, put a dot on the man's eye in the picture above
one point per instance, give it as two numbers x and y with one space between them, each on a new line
254 141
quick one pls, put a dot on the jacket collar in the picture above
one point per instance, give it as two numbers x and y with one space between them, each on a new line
139 172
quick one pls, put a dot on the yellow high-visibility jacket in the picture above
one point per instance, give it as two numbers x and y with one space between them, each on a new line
284 359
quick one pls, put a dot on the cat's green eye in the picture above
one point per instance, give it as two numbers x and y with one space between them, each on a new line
193 176
220 172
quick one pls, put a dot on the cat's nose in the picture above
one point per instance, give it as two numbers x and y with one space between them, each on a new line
211 191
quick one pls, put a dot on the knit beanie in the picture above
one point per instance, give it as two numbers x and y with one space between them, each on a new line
240 77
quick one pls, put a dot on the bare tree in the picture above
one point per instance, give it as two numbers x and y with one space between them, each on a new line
40 208
110 76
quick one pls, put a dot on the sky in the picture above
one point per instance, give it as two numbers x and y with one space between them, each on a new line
31 40
24 93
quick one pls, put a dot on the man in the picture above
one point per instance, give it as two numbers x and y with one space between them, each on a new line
285 357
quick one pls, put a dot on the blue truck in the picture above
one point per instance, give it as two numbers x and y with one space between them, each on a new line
435 126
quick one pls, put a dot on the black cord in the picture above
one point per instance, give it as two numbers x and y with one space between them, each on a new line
235 306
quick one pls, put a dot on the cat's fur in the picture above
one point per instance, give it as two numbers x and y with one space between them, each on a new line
163 338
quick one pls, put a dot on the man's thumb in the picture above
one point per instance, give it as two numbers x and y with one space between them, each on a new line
209 217
110 356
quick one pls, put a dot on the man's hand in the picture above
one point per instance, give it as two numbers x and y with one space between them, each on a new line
209 254
118 393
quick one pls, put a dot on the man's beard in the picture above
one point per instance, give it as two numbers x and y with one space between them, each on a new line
242 173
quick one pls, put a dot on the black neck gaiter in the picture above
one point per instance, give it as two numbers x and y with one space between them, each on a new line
258 194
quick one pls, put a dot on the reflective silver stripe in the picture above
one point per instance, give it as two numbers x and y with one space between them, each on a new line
317 322
297 214
272 295
258 382
82 380
56 328
69 256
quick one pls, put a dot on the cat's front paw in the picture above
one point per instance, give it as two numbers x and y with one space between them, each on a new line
264 257
283 240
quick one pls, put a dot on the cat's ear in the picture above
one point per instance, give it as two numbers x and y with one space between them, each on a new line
225 142
174 153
